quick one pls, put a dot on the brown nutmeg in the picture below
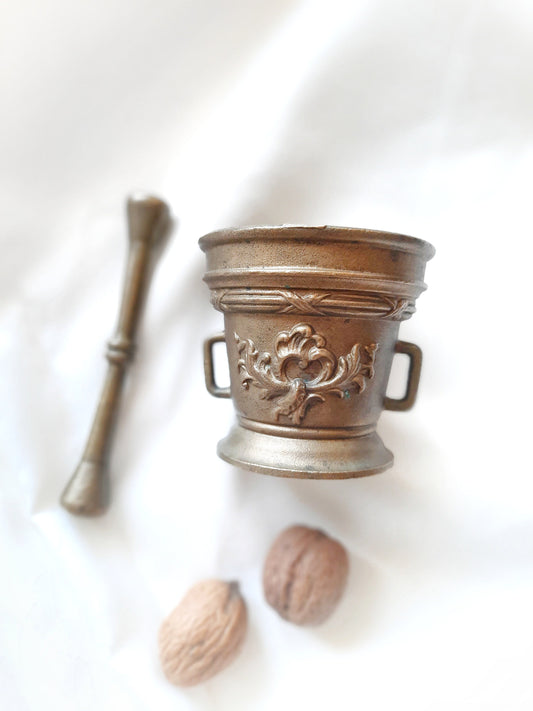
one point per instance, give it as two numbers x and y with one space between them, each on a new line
203 634
305 575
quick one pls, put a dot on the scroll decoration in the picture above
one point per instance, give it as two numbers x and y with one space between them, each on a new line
303 370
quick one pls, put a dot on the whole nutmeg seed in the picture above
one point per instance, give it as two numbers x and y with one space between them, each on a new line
305 575
204 633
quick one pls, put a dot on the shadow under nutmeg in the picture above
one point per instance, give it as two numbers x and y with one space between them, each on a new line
238 686
358 612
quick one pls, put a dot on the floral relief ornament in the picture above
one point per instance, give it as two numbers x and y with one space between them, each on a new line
303 371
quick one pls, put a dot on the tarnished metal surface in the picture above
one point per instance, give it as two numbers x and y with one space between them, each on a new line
87 493
311 324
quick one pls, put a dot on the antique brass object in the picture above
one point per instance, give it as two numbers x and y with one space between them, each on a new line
311 325
87 492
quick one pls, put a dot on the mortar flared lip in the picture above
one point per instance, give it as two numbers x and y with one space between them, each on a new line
329 233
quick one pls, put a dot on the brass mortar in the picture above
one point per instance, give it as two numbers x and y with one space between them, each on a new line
311 325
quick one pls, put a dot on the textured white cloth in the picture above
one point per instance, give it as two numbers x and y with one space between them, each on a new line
410 116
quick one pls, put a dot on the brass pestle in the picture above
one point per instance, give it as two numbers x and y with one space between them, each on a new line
88 491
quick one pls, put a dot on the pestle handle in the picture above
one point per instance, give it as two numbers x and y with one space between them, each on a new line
88 491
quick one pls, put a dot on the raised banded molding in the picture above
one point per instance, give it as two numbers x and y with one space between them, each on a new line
313 303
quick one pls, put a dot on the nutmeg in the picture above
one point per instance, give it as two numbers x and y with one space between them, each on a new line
304 575
204 633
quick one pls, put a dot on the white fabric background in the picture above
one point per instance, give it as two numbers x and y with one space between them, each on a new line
411 116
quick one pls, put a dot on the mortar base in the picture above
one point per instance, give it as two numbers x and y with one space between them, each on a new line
305 458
